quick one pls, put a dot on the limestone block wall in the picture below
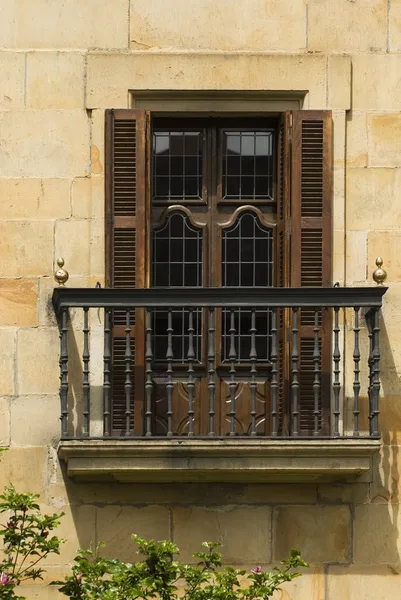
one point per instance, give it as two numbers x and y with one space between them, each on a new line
61 65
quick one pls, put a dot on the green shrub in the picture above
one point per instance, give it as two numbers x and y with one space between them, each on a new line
160 576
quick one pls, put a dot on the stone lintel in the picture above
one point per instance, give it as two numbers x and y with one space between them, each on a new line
218 460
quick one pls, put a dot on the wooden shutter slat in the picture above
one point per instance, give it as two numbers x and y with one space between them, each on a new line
126 143
311 193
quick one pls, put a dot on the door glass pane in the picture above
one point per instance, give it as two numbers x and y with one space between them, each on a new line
247 261
177 262
248 165
177 166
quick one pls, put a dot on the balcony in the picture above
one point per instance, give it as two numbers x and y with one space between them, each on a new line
260 384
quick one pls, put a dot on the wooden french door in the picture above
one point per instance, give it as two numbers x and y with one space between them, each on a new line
213 225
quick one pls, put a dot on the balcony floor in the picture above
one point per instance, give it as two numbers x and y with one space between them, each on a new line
219 460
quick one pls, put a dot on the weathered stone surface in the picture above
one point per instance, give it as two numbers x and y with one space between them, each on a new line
248 544
384 139
12 78
356 257
364 188
357 139
310 586
18 302
7 361
81 197
25 469
76 256
55 80
223 25
376 539
26 248
376 82
28 427
35 198
395 26
323 533
4 421
357 581
44 143
332 493
346 26
74 24
77 528
110 76
339 82
116 524
38 356
97 138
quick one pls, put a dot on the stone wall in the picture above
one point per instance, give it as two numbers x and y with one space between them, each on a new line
61 65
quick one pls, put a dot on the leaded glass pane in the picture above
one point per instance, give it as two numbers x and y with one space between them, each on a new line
248 165
177 262
177 165
247 261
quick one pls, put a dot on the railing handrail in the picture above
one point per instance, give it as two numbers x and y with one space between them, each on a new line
257 297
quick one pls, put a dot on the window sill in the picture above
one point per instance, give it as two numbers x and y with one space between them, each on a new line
163 461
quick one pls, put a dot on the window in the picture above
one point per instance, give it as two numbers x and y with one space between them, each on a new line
218 202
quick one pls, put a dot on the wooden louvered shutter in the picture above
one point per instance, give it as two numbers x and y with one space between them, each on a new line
311 231
283 267
126 226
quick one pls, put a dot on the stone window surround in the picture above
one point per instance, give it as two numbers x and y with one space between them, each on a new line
188 82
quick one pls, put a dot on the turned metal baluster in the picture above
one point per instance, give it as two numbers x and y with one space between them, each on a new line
295 373
64 373
106 374
128 368
253 385
357 384
369 324
85 370
336 371
170 384
232 357
211 370
316 370
274 382
149 382
376 373
191 380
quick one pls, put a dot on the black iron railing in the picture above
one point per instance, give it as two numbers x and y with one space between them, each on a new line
241 362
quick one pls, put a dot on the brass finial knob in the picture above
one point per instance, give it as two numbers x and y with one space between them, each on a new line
61 275
379 274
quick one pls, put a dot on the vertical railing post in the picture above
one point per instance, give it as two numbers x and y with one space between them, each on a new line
376 373
274 383
295 374
356 384
232 357
253 356
64 373
316 371
85 383
211 370
336 372
170 383
128 368
149 382
106 374
191 381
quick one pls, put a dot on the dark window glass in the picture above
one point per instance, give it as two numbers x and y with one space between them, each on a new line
177 165
248 165
177 262
247 253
